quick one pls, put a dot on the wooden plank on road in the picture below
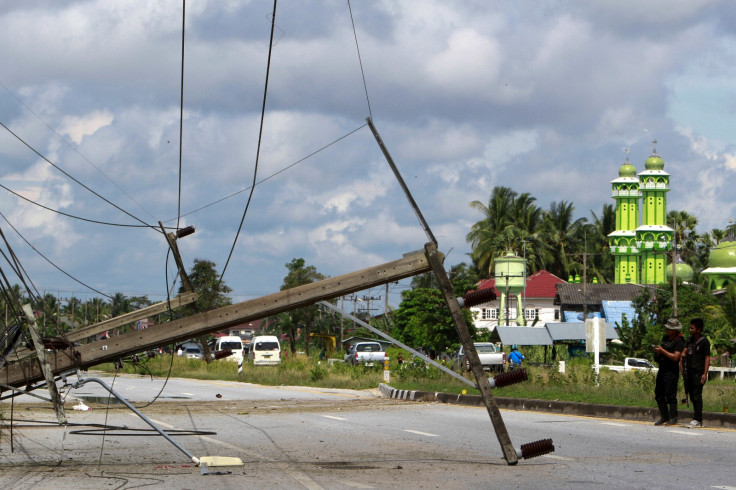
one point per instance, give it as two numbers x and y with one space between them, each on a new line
88 355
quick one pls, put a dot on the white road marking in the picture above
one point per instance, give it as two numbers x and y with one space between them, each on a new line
725 488
614 424
686 432
554 456
336 418
421 433
355 484
188 394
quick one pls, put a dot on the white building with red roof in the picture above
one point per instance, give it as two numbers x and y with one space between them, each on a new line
538 297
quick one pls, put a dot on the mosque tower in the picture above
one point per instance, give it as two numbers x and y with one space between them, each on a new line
622 241
653 237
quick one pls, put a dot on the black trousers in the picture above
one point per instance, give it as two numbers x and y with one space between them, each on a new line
665 390
696 394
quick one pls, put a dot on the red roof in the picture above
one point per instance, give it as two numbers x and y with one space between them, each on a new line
542 284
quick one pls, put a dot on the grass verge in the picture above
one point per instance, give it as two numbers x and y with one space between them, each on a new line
577 384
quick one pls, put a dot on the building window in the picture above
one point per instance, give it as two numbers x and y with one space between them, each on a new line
490 314
530 314
557 314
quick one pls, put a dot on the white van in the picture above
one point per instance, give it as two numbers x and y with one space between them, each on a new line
232 342
265 350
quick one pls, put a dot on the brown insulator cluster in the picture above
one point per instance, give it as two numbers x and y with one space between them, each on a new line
510 377
221 354
537 448
478 297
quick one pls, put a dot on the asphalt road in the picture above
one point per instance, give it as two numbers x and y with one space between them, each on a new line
291 437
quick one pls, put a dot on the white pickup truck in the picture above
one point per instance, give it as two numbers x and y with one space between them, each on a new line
633 364
368 353
490 358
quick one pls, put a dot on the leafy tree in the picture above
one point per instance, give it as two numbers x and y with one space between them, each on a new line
299 274
206 282
464 278
723 319
423 320
654 306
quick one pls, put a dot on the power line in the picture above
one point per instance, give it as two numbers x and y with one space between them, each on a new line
73 148
69 176
258 149
49 260
71 215
360 60
181 106
272 175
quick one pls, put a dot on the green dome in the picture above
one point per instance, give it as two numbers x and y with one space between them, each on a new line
684 272
724 255
654 163
627 170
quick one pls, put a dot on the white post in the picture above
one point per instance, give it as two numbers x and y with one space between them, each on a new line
596 340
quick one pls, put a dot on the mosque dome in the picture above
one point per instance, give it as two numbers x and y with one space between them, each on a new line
627 170
724 255
684 271
654 163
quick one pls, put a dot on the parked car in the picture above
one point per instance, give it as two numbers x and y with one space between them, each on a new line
633 364
192 351
265 350
367 353
232 343
490 358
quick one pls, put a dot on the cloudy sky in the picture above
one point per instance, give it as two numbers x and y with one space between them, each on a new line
541 96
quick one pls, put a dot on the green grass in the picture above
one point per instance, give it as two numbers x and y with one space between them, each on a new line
293 371
578 384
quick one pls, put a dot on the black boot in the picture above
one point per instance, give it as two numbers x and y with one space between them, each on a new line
664 414
673 414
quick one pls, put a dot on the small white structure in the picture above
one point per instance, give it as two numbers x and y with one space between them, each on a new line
538 298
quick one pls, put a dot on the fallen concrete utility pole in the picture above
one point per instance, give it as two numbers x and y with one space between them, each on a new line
105 325
436 260
85 356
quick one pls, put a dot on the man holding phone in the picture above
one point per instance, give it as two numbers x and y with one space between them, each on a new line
668 356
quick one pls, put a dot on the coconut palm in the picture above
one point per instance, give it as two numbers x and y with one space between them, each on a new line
685 236
601 265
485 236
511 223
563 235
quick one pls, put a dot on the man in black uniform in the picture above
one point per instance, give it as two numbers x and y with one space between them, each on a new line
668 356
694 365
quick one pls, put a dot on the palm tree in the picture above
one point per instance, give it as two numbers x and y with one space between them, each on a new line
511 222
119 304
601 265
686 238
561 233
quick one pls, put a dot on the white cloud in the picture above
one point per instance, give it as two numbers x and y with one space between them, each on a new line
79 126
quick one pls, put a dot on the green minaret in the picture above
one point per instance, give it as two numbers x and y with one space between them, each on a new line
622 242
653 237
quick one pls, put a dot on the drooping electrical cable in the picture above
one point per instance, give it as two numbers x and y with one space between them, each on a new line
52 263
16 136
181 107
360 60
258 149
71 215
74 148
